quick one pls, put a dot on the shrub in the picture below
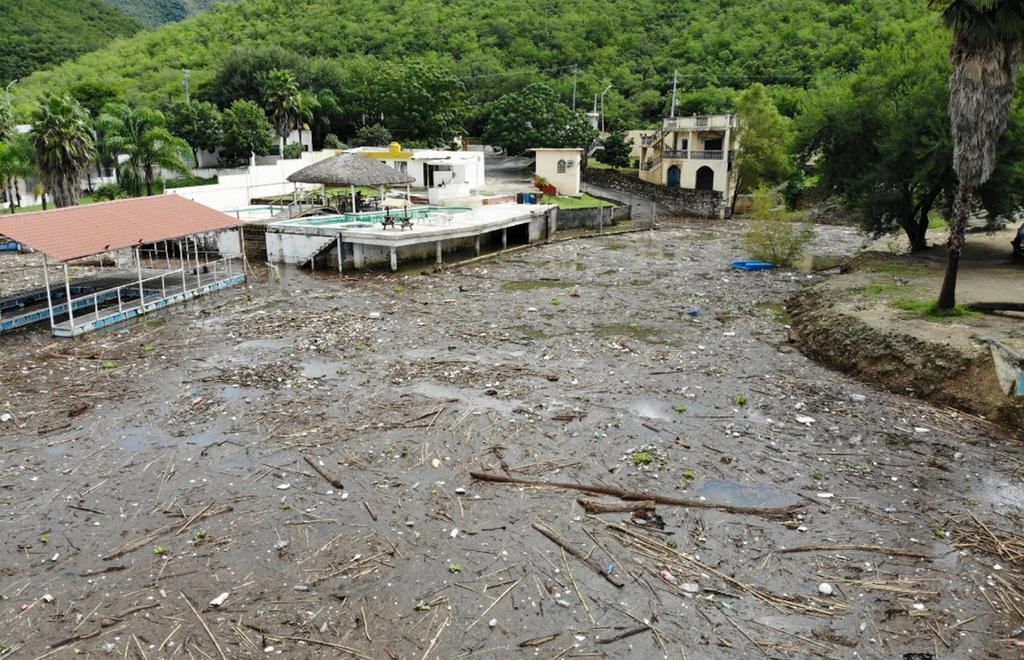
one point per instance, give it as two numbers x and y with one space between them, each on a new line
293 150
772 236
331 141
110 191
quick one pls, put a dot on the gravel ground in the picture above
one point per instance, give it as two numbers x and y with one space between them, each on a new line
285 470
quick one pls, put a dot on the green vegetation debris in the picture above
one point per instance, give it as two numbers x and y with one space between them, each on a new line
642 458
160 551
454 568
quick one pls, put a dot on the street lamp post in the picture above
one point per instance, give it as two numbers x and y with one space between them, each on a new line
7 91
602 106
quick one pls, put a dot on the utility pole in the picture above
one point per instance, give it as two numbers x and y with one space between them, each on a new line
602 108
7 91
187 72
575 72
675 80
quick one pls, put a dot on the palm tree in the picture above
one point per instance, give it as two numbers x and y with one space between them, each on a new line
63 139
16 162
986 54
305 111
281 101
142 136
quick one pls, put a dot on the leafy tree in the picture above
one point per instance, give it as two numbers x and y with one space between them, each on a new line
372 136
141 134
241 74
281 98
534 117
422 99
93 95
196 122
246 132
881 137
617 147
986 54
763 136
770 235
63 139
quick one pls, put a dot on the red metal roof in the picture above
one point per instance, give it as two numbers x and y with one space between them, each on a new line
80 231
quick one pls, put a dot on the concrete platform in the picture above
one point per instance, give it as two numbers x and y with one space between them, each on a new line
361 240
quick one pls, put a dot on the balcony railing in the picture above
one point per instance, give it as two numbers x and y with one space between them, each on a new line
712 154
699 122
706 154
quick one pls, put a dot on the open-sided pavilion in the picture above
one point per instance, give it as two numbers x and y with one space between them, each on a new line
166 227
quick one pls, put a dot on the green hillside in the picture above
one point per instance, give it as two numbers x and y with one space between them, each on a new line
502 45
154 13
37 33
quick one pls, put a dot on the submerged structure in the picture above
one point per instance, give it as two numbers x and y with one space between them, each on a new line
180 241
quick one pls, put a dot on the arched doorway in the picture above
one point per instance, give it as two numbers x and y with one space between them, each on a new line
673 176
705 178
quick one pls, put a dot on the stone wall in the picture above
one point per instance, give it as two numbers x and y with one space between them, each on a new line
705 203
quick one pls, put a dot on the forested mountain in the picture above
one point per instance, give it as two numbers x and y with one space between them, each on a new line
154 13
37 33
495 46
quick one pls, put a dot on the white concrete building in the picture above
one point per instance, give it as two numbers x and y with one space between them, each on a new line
447 175
561 168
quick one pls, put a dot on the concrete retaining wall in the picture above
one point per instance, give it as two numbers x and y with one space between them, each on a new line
592 218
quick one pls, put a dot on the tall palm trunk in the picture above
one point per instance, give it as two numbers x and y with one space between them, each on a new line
981 89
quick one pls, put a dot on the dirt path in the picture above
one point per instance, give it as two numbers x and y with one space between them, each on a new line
148 470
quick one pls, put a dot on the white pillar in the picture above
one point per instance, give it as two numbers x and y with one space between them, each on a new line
394 259
341 254
67 292
437 247
49 298
142 292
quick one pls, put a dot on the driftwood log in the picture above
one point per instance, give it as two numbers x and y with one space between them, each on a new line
777 511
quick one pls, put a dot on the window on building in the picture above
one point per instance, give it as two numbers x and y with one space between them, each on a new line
561 166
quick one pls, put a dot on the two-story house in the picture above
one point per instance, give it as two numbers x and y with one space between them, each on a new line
691 152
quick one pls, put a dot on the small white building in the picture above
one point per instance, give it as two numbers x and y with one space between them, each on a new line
446 175
561 168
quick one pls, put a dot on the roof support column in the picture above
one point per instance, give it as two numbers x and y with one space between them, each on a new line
142 292
181 260
67 292
49 298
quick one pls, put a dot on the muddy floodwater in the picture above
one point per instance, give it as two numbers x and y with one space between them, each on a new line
316 465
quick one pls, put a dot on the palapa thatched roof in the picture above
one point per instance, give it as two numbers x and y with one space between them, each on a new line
350 170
